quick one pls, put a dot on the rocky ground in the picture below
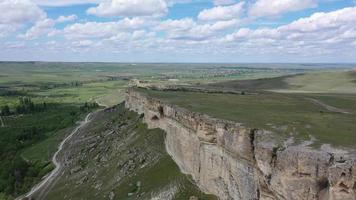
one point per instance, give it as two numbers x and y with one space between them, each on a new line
117 157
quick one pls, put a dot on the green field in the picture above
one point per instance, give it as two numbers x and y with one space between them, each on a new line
325 82
339 81
105 82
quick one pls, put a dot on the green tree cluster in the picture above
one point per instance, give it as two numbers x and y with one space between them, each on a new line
88 106
5 110
26 106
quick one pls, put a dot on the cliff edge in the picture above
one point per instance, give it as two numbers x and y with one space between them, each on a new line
233 161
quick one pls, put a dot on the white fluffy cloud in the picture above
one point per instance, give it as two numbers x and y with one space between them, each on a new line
130 8
58 3
42 27
263 8
104 29
69 18
321 33
221 30
324 21
15 13
176 25
188 29
222 12
19 11
46 27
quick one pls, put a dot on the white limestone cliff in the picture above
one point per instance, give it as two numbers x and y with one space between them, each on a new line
236 162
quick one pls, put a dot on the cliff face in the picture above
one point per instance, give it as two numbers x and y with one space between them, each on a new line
232 161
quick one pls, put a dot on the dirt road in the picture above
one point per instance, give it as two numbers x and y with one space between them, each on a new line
55 161
328 107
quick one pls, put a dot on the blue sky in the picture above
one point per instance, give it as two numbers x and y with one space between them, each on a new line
179 30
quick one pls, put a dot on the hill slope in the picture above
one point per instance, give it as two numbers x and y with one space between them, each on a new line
117 157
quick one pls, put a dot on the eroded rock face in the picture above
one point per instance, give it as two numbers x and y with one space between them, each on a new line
236 162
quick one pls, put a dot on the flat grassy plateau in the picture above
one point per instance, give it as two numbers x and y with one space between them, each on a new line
287 115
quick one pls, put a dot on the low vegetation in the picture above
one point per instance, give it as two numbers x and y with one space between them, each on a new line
27 125
315 82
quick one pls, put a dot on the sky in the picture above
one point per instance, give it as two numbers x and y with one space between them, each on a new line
237 31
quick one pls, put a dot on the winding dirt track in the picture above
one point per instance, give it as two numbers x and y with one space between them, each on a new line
49 178
328 107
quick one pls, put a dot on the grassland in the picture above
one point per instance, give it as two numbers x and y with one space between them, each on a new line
340 82
287 115
80 82
324 82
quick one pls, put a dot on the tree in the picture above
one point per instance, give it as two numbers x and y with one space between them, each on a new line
5 110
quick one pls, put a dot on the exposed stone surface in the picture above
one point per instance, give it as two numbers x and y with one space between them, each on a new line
236 162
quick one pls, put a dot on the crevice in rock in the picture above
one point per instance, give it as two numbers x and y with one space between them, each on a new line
331 159
323 184
343 186
342 175
161 111
274 156
269 178
155 118
252 142
258 194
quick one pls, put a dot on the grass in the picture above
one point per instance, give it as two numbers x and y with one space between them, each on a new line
314 82
86 92
28 141
254 84
44 150
326 82
285 114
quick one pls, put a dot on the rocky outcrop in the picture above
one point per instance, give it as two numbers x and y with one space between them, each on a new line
232 161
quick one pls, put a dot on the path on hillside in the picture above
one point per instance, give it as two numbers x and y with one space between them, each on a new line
328 107
2 122
55 161
101 104
45 183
